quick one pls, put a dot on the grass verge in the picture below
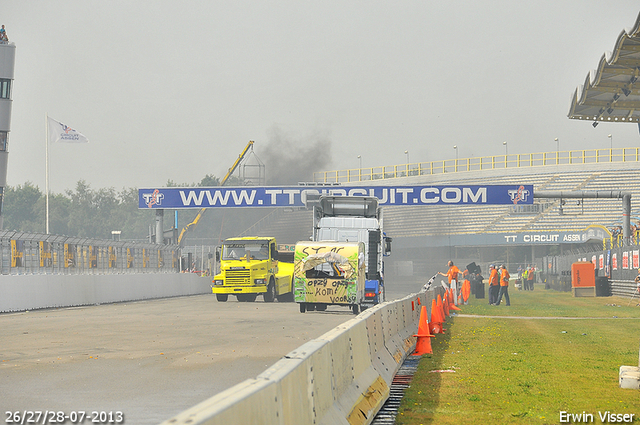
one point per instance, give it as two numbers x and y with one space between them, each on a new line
505 369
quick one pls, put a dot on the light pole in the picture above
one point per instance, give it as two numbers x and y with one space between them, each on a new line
557 151
611 141
360 159
610 148
407 153
506 154
360 169
455 147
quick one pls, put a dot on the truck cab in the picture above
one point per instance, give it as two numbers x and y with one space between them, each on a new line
356 219
249 267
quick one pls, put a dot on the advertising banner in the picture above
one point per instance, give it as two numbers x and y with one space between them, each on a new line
296 196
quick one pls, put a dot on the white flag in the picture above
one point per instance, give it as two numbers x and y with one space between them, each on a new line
59 132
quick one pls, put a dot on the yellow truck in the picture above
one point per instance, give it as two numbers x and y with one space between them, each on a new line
249 267
329 273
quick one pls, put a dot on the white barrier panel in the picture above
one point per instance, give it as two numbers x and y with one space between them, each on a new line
294 378
342 377
237 405
30 292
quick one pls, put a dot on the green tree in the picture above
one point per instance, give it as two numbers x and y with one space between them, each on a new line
209 180
22 209
85 212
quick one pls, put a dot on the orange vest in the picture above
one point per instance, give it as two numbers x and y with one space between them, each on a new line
453 273
493 278
504 278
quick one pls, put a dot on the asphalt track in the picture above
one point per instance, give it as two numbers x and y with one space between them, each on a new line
149 359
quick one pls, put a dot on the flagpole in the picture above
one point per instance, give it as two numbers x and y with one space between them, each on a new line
46 173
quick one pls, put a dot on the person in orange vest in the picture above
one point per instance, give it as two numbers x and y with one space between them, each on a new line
466 287
530 277
452 275
494 284
504 285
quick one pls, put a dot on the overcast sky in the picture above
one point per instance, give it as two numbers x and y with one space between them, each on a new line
175 90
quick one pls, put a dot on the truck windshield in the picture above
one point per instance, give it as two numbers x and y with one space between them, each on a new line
238 251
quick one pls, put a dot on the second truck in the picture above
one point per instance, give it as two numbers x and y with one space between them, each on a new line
354 219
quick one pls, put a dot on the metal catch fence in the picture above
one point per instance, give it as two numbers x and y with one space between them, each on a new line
39 253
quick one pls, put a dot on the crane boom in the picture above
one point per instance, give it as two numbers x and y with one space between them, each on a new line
196 220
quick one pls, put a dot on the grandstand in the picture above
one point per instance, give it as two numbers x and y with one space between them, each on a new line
543 216
453 230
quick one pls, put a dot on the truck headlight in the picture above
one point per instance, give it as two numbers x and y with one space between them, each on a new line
259 281
218 282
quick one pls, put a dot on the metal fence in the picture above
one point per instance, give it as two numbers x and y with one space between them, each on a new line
39 253
556 158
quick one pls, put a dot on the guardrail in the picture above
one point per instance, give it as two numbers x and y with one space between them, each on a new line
625 288
39 253
587 156
343 377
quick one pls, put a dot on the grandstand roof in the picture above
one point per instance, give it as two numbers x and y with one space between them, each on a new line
612 92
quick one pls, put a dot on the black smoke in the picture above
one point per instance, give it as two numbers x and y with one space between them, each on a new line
290 159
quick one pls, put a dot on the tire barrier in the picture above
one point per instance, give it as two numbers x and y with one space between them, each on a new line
342 377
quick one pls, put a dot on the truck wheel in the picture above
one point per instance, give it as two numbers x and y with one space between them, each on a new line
355 308
321 307
303 308
222 297
270 295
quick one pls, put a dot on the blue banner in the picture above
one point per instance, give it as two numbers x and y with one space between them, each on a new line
296 196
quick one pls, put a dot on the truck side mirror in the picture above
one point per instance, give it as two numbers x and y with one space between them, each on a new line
218 254
387 246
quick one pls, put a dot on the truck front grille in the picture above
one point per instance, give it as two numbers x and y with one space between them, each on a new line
238 277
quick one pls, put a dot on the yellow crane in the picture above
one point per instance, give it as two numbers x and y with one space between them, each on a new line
196 220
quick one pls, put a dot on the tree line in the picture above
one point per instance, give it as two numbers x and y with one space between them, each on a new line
95 213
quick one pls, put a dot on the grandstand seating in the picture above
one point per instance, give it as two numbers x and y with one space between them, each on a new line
417 221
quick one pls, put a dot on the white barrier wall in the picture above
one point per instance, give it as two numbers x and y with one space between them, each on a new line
342 377
30 292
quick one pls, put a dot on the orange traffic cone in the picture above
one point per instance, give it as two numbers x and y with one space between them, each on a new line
445 303
442 315
423 344
435 325
440 305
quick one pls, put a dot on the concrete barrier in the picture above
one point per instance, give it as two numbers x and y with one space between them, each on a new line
30 292
342 377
